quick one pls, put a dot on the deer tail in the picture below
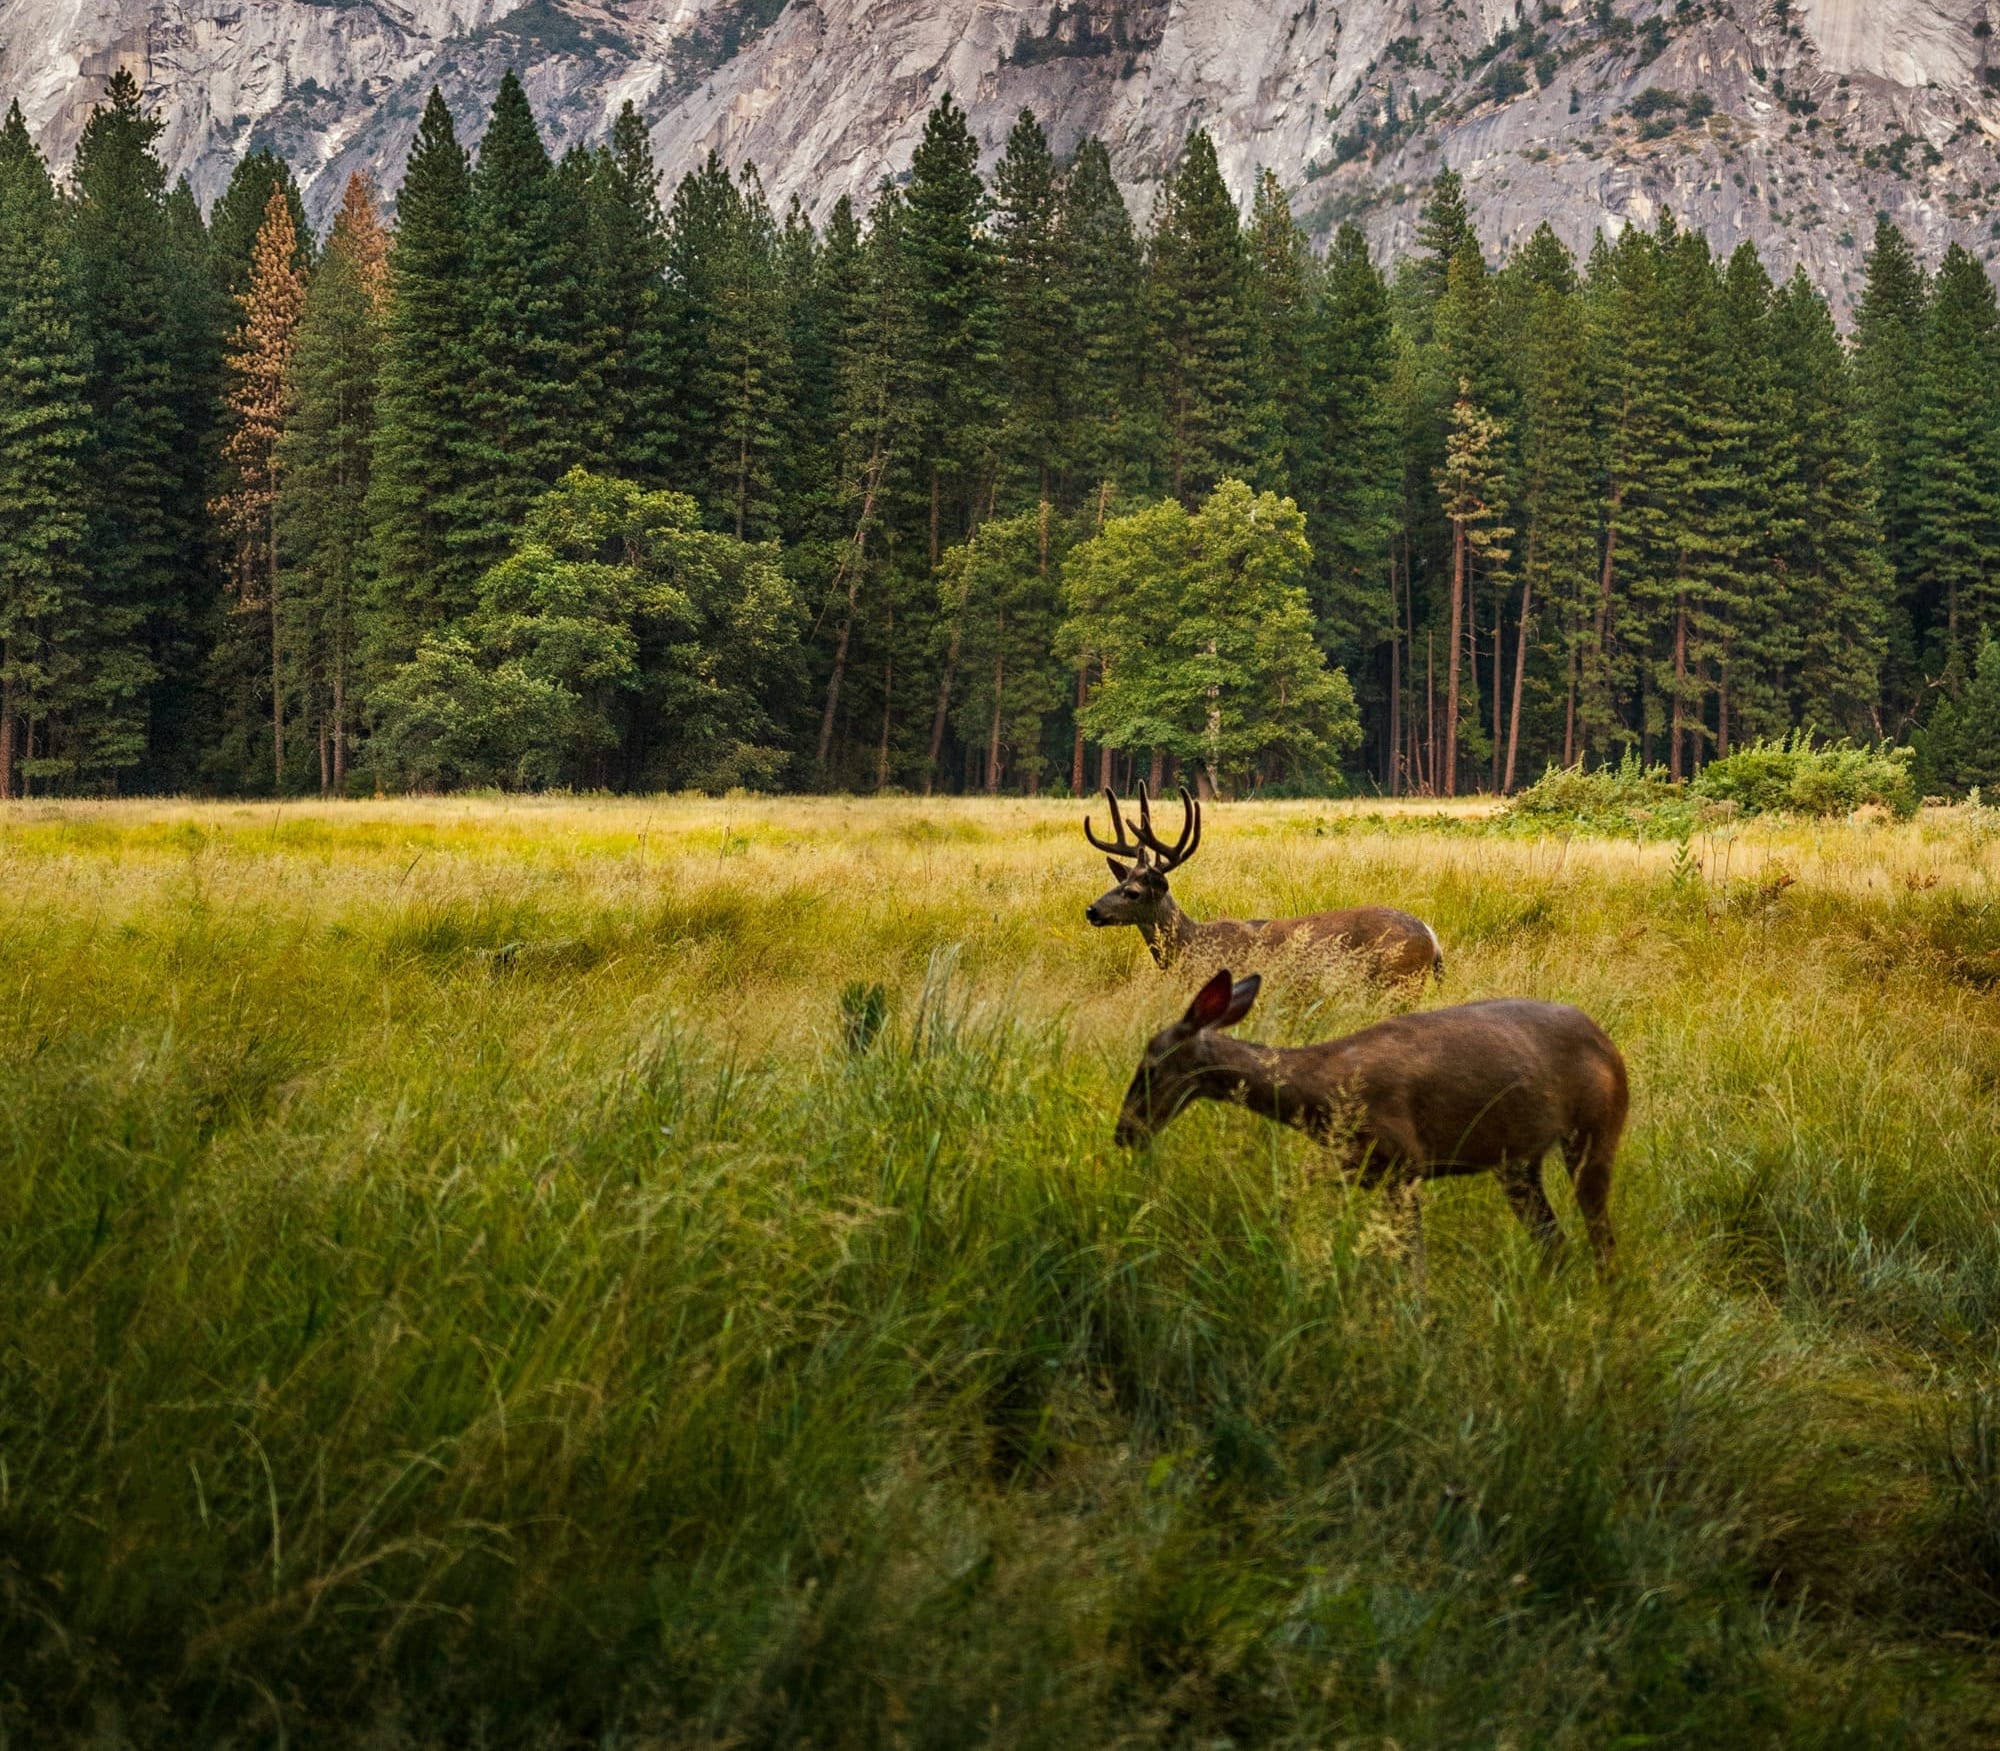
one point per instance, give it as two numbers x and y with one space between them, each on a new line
1437 955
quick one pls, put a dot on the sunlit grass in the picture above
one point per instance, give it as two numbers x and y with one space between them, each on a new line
455 1279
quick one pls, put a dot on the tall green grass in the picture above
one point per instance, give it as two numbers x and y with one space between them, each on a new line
466 1276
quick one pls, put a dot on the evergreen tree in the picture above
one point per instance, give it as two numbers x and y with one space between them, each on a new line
239 214
1110 436
260 361
632 347
530 388
1888 361
1841 585
323 478
1281 302
124 277
1471 487
43 435
1444 232
748 374
1558 472
422 556
1346 451
1036 325
948 266
1954 464
1198 324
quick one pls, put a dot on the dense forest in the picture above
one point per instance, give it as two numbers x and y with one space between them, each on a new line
563 483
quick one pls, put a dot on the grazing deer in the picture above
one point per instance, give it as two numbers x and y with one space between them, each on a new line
1392 944
1483 1087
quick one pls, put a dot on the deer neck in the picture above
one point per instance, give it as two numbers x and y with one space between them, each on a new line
1262 1078
1171 934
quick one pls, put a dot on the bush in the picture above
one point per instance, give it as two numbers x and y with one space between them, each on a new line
1793 776
1629 799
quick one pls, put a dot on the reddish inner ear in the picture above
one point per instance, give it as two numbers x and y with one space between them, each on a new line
1211 1002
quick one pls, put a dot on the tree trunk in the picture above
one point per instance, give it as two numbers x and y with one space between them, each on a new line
888 697
1430 715
325 760
1499 640
1155 776
1569 710
851 565
1675 770
1082 699
340 714
1520 675
277 675
1722 713
1395 683
1450 772
993 736
1105 755
6 732
941 715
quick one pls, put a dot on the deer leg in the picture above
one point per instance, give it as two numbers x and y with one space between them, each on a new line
1589 1161
1522 1182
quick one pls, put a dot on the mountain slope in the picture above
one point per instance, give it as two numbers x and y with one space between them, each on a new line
1790 122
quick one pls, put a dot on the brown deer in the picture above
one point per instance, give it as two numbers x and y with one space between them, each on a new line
1391 944
1483 1087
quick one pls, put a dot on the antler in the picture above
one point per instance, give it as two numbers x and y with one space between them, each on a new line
1136 851
1165 857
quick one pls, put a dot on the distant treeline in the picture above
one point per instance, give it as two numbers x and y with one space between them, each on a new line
985 488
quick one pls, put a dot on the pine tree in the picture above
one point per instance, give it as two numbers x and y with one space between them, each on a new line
1036 326
423 562
43 583
1888 360
1110 436
748 379
239 215
1841 585
123 267
1198 288
1954 464
1558 469
530 390
1347 452
1281 302
1471 487
260 360
323 478
1444 232
628 308
948 265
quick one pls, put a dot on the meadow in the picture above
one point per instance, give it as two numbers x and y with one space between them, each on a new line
487 1271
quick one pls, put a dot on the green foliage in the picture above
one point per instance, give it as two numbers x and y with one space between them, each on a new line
617 635
44 613
423 559
1204 633
1797 775
1629 800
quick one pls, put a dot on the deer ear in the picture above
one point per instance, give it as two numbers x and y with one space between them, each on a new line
1119 871
1211 1003
1240 998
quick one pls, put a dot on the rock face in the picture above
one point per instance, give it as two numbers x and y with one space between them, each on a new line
1789 122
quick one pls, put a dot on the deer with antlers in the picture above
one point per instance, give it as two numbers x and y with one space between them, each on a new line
1481 1088
1392 945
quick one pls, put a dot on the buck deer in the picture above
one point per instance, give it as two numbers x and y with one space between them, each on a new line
1483 1087
1392 944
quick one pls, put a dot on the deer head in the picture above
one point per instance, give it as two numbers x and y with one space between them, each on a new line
1177 1058
1141 893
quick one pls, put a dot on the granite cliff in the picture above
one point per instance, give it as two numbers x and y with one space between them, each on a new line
1791 122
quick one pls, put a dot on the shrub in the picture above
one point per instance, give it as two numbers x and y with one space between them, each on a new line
1793 776
1629 799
